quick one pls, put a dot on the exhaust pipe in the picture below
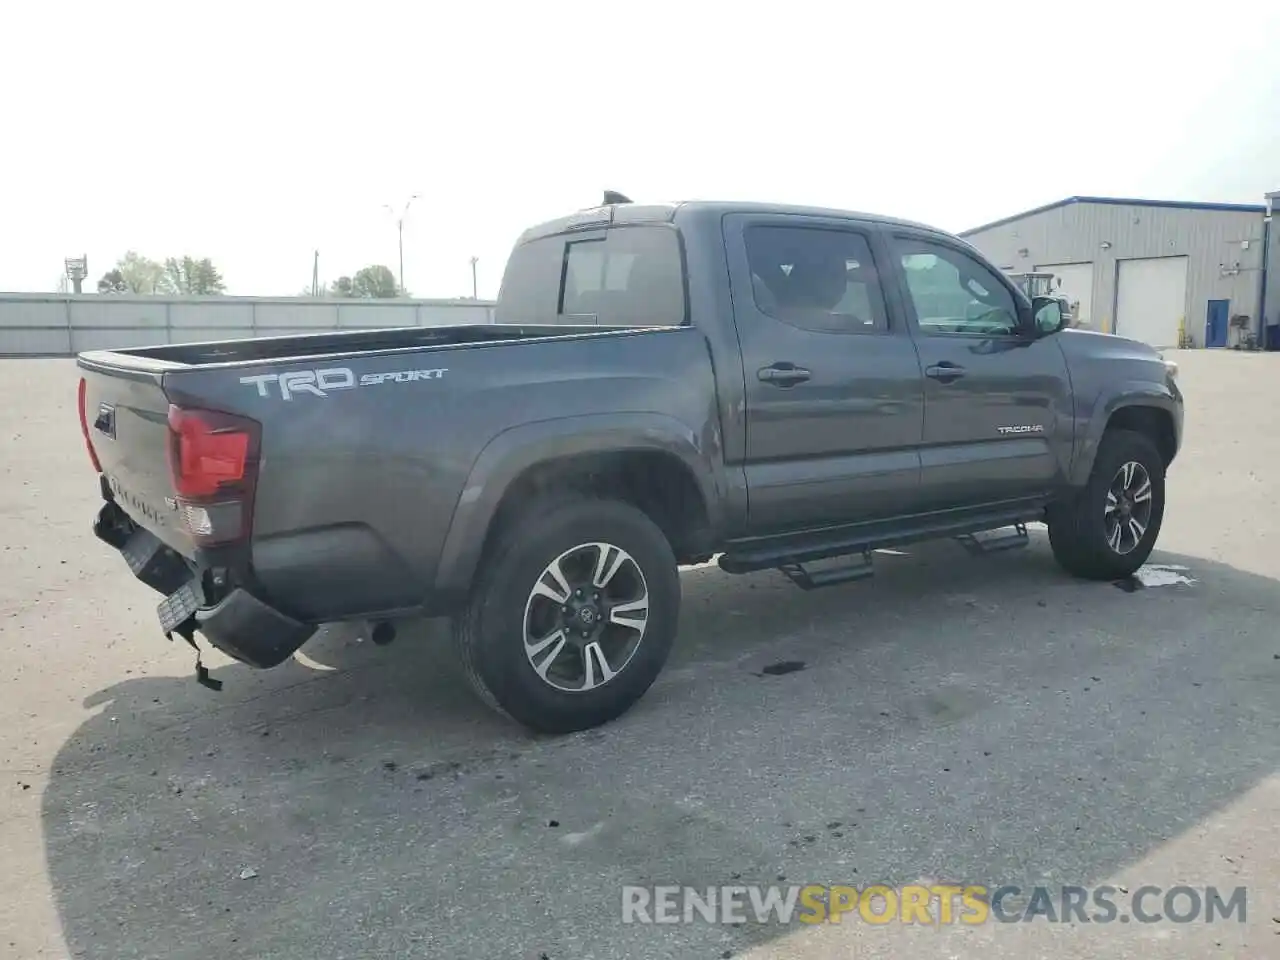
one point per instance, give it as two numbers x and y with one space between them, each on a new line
383 633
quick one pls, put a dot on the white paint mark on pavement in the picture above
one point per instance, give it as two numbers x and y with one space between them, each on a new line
573 839
1161 575
310 664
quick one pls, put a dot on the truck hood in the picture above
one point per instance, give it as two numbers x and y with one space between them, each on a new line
1077 342
1108 356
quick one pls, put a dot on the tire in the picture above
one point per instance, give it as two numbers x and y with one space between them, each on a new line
1082 530
490 635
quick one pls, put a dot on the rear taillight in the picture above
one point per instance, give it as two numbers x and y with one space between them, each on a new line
213 460
84 426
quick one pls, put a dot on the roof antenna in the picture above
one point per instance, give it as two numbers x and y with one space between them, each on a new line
612 196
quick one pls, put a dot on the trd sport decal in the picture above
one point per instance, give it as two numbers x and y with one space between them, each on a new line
320 383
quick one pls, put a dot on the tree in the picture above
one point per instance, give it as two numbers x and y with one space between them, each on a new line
113 281
193 278
142 274
375 281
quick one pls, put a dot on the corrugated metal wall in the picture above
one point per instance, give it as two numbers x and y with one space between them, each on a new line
1272 305
1075 233
50 325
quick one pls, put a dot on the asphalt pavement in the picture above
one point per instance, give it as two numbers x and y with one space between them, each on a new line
971 721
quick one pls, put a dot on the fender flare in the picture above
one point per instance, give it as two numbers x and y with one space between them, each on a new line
1130 393
509 454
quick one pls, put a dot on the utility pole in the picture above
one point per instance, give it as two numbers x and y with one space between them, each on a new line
315 275
474 287
400 232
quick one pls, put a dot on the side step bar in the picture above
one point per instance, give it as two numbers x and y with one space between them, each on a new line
994 541
799 549
810 576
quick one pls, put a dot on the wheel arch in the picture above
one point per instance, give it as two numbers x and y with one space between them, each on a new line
652 461
1146 408
1150 421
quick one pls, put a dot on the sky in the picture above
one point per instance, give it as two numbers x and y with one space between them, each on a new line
258 133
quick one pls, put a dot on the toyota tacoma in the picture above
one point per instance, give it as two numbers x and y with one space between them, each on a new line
780 387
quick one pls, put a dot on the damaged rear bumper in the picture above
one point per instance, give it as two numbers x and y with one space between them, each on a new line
204 596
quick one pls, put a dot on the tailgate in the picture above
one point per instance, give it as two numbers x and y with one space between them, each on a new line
126 418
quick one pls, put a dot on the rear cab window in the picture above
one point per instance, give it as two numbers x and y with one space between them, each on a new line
621 276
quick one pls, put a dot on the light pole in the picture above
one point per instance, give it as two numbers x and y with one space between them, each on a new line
400 231
77 269
474 288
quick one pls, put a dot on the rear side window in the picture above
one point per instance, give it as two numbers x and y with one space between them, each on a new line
625 276
816 278
629 276
531 283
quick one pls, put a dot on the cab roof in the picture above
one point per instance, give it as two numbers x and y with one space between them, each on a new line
627 212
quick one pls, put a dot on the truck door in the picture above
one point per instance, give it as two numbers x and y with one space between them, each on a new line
997 402
834 391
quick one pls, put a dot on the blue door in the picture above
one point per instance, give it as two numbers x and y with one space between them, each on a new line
1215 323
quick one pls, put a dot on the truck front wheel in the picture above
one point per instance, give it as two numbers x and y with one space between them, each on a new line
1107 530
572 615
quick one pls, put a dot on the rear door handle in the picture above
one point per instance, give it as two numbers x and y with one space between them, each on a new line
783 374
945 371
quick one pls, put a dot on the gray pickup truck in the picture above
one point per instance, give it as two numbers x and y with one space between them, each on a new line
787 388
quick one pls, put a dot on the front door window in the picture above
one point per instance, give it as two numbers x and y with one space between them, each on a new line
953 293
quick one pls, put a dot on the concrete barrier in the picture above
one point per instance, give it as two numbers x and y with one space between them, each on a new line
51 325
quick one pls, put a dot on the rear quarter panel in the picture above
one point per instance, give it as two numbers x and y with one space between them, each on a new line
359 488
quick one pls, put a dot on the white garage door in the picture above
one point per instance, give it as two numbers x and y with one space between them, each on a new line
1075 282
1152 299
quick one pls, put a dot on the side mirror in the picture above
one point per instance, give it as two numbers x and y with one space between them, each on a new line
1049 318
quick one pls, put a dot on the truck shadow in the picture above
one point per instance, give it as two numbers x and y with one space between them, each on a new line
957 719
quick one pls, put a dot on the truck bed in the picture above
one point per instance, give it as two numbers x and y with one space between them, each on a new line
330 345
353 424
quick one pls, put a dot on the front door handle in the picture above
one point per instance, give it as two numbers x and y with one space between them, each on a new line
783 374
945 371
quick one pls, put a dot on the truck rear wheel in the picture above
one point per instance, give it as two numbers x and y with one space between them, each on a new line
1108 529
572 615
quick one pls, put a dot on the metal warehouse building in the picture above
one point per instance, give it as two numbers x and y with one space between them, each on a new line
1146 269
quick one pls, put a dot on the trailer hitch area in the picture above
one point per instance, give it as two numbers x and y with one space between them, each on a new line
178 615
